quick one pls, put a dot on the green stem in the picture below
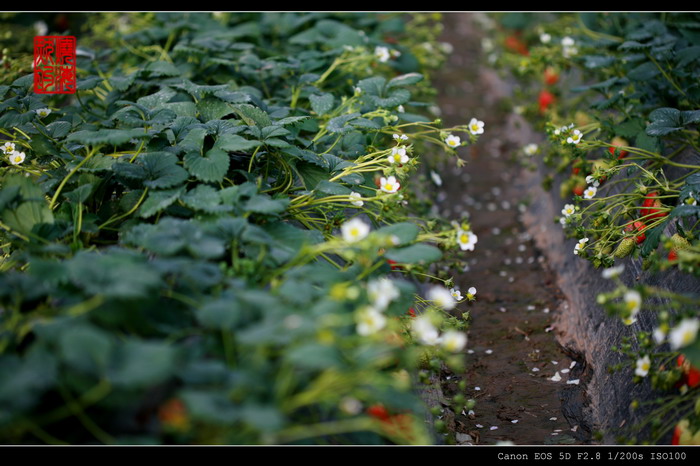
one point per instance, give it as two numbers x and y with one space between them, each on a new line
68 177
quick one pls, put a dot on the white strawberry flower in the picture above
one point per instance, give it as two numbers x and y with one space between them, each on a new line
592 181
575 137
8 147
580 245
476 126
568 210
382 53
425 331
436 177
456 294
684 333
453 141
643 366
471 294
389 185
400 137
369 321
354 230
382 292
441 297
453 341
530 149
398 155
567 42
400 109
356 199
17 157
613 271
466 240
43 112
545 38
590 192
633 303
659 335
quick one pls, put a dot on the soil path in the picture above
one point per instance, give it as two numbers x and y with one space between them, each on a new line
512 353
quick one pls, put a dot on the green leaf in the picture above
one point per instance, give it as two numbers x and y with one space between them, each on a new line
339 124
330 187
162 170
157 201
86 348
221 315
212 108
162 68
253 116
322 104
264 204
32 211
58 129
234 143
205 198
210 406
405 232
415 254
156 100
643 72
314 356
106 136
210 168
141 364
692 353
653 237
405 80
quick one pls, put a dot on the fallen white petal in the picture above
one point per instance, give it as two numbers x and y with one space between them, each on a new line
552 418
535 369
564 371
555 362
573 363
477 388
493 427
514 421
489 351
556 377
573 382
478 426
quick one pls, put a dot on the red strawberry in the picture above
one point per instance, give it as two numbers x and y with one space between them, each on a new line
515 44
579 189
378 411
651 206
637 226
393 265
550 76
546 99
676 434
617 142
691 374
412 312
672 255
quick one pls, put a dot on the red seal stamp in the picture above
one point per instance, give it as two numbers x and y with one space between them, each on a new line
54 65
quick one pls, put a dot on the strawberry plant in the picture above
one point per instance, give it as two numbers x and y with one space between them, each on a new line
194 249
625 120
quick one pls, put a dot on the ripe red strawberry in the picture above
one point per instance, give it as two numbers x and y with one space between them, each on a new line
579 189
393 265
546 99
515 44
651 206
637 226
617 142
672 255
691 374
551 77
676 434
379 412
411 312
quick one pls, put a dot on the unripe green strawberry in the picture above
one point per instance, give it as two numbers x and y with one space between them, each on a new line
625 248
679 242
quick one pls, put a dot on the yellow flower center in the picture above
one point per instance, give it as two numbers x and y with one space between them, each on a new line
464 238
18 159
389 187
354 231
475 127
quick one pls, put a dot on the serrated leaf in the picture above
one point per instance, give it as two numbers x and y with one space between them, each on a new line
141 364
322 104
330 187
158 201
234 143
205 198
162 170
253 116
653 237
106 136
405 80
339 123
644 72
58 128
162 68
264 204
212 108
33 210
405 232
415 254
156 100
220 315
210 168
